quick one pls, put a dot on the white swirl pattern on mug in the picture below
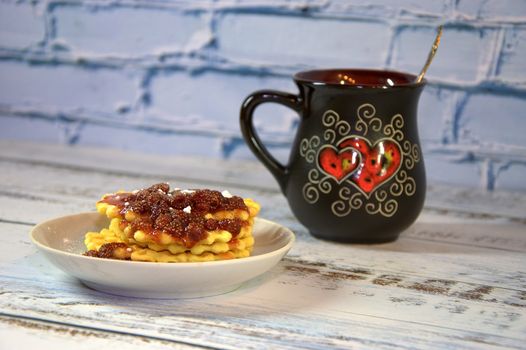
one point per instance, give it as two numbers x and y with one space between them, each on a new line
315 185
308 148
347 202
366 118
382 206
393 129
379 201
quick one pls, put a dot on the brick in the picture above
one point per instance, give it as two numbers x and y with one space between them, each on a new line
493 9
512 64
462 57
137 140
281 154
213 99
145 141
441 169
511 178
19 128
20 27
385 8
64 86
434 107
127 31
306 41
493 120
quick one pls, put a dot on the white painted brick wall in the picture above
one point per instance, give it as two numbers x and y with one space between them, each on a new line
512 56
20 26
65 87
168 76
494 10
492 120
126 32
469 51
296 40
186 98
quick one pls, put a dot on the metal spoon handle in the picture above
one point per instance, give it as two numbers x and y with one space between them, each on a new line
432 53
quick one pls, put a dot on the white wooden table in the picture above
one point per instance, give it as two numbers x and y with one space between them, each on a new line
456 279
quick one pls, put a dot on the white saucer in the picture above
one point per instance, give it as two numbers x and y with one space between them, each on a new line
61 241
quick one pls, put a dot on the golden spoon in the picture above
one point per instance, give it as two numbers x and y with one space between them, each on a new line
432 53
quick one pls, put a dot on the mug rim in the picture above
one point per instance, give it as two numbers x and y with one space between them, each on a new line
303 77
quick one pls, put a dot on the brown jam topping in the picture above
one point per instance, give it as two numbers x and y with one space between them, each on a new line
180 214
111 251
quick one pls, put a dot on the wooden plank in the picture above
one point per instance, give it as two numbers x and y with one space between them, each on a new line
251 318
45 205
91 183
112 162
359 307
479 203
58 191
456 279
489 234
405 250
244 174
20 333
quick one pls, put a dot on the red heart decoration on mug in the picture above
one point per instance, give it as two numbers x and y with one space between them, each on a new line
338 163
378 163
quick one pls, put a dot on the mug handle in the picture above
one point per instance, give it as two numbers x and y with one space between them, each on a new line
278 170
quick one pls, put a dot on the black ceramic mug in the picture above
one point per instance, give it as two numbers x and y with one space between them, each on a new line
355 172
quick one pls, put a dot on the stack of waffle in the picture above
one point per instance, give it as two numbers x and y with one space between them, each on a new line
159 225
